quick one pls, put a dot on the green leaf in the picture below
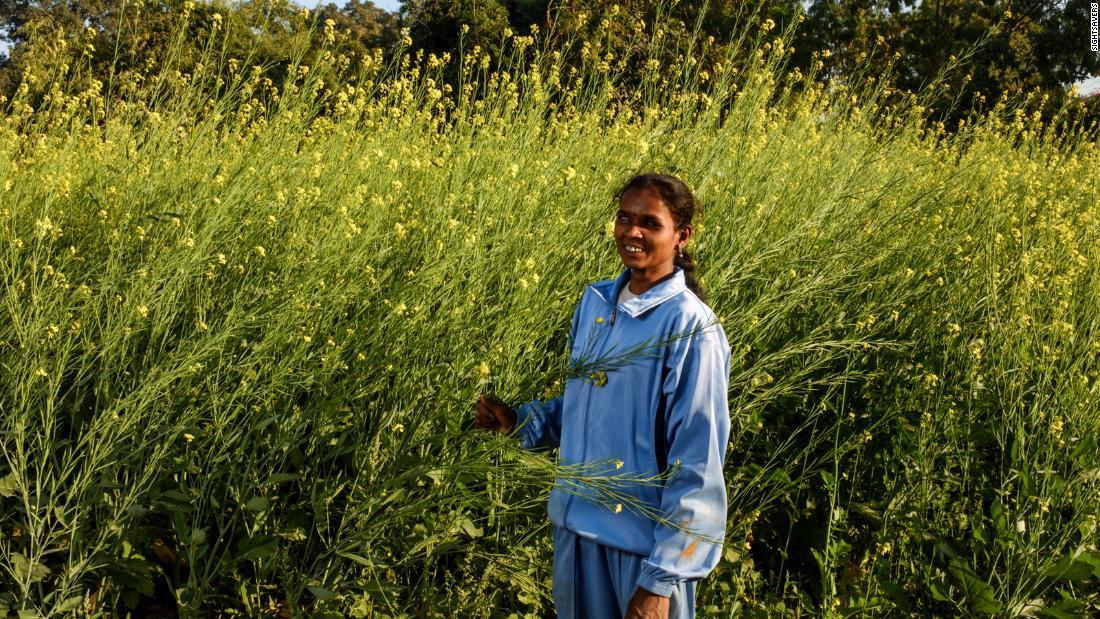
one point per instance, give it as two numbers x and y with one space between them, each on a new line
1067 608
469 528
136 511
71 604
1093 559
9 485
1069 569
257 504
361 560
259 547
27 570
132 575
322 594
822 563
978 593
937 593
264 423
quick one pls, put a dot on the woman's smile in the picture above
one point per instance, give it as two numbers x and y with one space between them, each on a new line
647 236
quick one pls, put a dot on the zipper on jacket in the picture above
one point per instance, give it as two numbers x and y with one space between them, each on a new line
587 411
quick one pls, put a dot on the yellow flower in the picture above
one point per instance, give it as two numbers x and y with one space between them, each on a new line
188 437
397 427
41 372
599 320
483 370
618 464
260 251
618 508
1056 425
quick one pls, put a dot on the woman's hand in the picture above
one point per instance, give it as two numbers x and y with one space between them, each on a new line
647 605
492 414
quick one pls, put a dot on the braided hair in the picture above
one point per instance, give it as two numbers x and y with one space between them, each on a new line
681 203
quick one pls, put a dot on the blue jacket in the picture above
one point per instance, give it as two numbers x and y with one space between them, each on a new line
666 409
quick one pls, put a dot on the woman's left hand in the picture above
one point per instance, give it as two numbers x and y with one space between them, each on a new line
647 605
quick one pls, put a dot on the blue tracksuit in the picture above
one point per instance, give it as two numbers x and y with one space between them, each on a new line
665 409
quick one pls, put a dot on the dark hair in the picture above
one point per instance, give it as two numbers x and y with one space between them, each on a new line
681 202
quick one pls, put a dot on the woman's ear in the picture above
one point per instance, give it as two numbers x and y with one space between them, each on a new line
685 234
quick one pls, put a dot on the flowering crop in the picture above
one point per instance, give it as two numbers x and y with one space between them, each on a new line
244 328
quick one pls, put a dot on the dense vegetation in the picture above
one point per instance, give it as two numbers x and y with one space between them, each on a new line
977 52
245 323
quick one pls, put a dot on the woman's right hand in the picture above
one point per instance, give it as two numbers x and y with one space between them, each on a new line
492 414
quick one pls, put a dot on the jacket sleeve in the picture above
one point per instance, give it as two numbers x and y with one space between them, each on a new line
697 433
538 423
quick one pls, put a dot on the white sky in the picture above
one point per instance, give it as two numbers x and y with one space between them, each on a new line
1089 86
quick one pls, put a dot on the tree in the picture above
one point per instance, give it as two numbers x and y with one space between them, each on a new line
363 26
435 25
992 49
114 38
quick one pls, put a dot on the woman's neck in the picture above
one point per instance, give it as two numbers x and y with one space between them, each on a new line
642 280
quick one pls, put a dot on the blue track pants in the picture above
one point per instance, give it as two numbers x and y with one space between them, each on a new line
592 581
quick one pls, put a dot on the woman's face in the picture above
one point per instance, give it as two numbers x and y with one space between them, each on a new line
646 234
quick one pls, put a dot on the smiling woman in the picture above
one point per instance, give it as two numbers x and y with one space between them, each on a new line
652 229
663 416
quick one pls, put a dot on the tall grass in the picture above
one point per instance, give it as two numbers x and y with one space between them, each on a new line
242 341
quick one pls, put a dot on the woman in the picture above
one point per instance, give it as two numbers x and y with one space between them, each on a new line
662 411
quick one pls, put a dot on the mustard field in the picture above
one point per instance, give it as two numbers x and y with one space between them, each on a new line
244 326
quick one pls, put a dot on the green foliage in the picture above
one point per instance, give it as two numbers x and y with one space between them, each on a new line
436 24
977 52
245 324
113 39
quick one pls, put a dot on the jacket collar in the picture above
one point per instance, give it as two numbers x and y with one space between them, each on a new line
660 292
